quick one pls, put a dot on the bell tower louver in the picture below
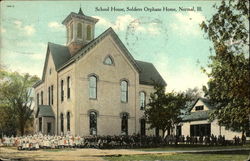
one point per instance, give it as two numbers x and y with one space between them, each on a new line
80 30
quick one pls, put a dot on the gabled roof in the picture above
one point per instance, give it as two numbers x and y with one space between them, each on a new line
44 111
195 116
205 101
60 54
62 58
198 115
80 15
149 75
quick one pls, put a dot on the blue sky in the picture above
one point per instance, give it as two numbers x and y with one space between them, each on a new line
171 40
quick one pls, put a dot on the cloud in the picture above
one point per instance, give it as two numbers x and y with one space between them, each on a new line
37 56
13 61
2 30
18 23
183 77
32 44
28 30
187 23
123 22
120 24
153 29
56 26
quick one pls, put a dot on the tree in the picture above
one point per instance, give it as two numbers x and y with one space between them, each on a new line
164 110
7 121
15 96
229 78
192 94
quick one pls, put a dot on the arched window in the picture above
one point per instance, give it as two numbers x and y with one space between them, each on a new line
37 98
89 32
93 123
71 32
79 30
108 60
68 121
142 100
68 86
62 125
68 39
124 124
92 87
41 97
124 91
62 91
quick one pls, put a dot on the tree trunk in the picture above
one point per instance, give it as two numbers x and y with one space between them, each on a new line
169 131
163 132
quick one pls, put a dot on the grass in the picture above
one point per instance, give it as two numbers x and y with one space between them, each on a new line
184 147
58 150
181 157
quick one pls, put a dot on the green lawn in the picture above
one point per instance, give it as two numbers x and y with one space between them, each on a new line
181 157
185 147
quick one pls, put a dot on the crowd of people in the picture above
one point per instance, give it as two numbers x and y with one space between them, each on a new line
40 141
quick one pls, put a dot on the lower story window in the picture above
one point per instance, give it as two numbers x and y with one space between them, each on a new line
40 124
200 130
124 124
143 127
93 123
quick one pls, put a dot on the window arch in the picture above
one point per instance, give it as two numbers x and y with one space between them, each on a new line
108 60
93 87
124 91
79 30
142 100
89 32
62 123
68 121
124 123
93 122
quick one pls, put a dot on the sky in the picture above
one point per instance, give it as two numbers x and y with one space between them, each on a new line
171 40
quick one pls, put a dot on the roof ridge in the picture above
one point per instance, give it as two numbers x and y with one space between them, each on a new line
57 44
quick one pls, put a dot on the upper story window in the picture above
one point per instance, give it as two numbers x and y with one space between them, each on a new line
142 100
93 87
124 91
41 97
79 30
108 60
52 95
68 34
37 98
68 86
62 91
89 32
49 96
71 31
199 108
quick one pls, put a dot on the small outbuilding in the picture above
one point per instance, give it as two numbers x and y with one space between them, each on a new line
196 122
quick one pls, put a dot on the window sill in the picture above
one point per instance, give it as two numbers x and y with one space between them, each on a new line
93 99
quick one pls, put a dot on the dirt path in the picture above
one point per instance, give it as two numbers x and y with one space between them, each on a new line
67 154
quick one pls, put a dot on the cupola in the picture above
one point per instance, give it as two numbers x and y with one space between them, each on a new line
80 30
